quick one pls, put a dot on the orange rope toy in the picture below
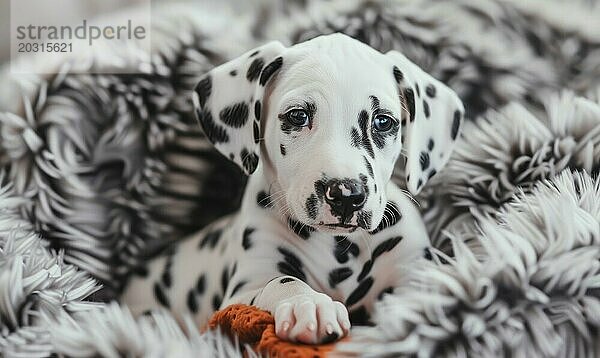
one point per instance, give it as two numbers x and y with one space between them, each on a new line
256 328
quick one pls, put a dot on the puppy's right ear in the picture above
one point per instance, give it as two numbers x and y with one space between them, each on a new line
228 102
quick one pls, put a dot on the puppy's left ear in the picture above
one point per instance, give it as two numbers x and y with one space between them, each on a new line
432 123
229 99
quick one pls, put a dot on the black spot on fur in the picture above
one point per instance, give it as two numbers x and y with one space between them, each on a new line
203 89
192 301
249 160
369 167
375 104
264 200
287 269
430 90
385 291
225 276
354 138
246 239
417 90
216 302
365 270
386 246
430 144
231 156
160 295
360 292
365 217
363 123
431 173
257 110
455 124
254 53
201 284
237 287
398 75
419 183
424 160
233 270
233 73
282 149
427 254
300 229
214 132
365 181
338 275
311 206
166 278
360 317
254 70
211 239
256 133
140 271
235 115
291 264
379 139
391 216
426 109
410 102
343 248
286 280
252 301
320 188
270 69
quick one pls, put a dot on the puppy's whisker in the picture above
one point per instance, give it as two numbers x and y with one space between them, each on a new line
280 204
276 196
345 238
276 203
386 218
347 247
275 199
284 211
410 196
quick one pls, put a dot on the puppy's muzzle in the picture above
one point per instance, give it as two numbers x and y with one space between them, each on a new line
345 197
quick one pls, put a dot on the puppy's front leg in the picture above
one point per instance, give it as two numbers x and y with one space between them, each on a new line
301 313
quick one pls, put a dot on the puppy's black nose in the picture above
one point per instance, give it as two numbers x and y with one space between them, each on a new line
345 196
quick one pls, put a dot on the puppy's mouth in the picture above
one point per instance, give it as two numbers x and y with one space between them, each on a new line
338 227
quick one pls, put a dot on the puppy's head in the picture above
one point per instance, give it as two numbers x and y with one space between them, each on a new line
328 118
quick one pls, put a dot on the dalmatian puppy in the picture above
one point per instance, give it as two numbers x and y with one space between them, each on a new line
321 230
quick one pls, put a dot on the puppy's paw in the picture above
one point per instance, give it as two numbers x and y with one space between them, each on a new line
311 318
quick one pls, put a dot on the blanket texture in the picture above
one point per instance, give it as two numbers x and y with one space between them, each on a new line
99 172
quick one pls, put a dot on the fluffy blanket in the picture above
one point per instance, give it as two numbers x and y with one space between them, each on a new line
99 172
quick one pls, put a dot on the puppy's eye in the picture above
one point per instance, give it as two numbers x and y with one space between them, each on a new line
383 123
297 117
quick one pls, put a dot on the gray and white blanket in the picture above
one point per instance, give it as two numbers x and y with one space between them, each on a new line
99 172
